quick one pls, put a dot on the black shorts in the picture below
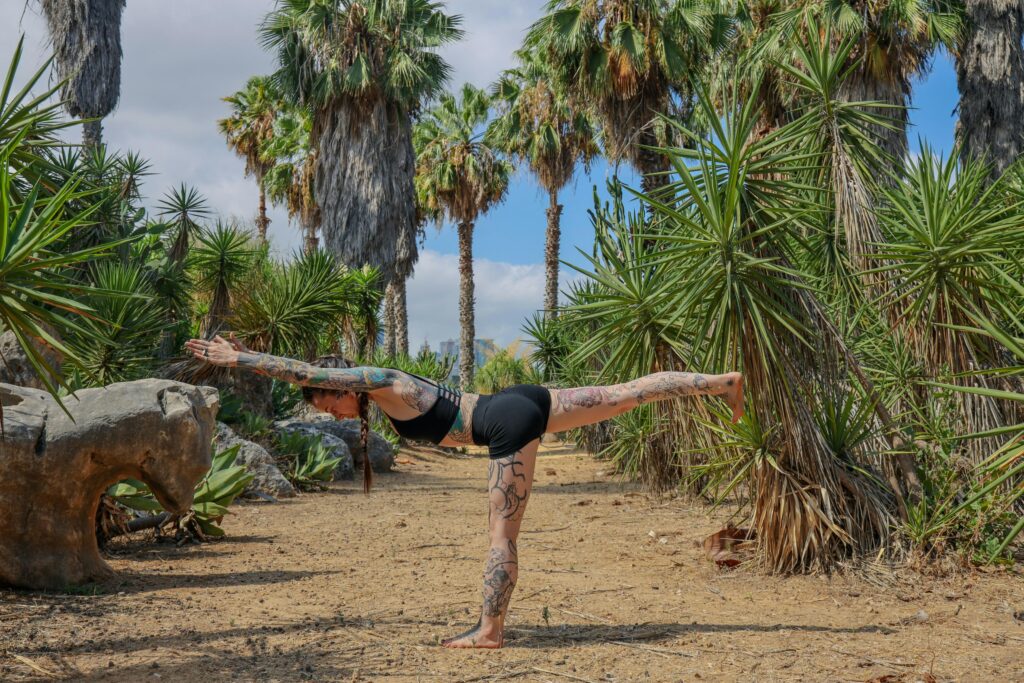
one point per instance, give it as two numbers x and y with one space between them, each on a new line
510 419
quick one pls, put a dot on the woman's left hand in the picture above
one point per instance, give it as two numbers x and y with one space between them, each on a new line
217 351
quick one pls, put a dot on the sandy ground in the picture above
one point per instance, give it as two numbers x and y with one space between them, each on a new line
335 586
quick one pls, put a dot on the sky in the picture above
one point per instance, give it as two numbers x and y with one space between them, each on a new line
182 57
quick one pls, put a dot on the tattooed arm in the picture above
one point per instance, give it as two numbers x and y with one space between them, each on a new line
297 372
219 352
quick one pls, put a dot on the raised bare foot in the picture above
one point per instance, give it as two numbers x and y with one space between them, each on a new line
474 637
734 395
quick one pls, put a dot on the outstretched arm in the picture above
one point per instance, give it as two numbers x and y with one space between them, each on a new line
219 352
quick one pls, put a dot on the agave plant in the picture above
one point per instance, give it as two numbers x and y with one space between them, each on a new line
224 482
309 461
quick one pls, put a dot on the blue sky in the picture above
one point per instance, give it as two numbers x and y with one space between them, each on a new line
181 57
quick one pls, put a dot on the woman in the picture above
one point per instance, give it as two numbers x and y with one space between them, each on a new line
510 423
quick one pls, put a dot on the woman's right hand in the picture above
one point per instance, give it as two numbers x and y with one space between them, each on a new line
217 351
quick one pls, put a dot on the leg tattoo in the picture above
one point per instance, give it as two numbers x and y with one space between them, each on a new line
500 574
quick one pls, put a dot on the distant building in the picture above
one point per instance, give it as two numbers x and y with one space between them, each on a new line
425 349
483 350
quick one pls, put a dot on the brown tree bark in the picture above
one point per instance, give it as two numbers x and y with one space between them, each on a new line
551 248
389 320
262 220
467 360
401 317
863 87
990 76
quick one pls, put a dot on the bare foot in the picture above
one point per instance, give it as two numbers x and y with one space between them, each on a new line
734 395
474 638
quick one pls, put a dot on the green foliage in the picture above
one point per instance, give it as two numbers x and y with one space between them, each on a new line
224 482
504 369
309 461
360 49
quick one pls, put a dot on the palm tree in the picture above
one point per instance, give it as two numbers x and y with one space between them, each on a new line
247 130
990 75
893 43
539 124
362 67
460 176
222 259
289 179
86 39
630 59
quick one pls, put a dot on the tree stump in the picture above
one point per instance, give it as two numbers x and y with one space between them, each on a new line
53 469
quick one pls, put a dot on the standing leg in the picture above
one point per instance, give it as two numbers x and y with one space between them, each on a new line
509 482
571 408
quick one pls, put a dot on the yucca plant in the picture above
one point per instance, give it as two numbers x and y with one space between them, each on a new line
222 259
722 272
950 236
118 344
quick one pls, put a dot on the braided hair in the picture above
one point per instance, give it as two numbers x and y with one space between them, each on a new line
364 410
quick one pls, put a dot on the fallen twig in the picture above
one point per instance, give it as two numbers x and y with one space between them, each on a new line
32 665
558 673
657 650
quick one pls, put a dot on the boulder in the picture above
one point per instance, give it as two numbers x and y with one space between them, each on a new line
267 478
382 453
345 469
14 365
53 469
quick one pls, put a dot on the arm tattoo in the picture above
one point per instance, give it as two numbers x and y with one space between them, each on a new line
500 578
508 487
416 393
297 372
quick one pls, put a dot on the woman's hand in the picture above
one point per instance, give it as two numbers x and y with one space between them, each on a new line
217 351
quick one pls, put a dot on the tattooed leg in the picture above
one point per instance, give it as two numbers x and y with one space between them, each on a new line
572 408
510 480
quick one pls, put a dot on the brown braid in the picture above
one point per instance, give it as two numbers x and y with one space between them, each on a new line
364 411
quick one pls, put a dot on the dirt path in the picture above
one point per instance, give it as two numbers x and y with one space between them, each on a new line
336 586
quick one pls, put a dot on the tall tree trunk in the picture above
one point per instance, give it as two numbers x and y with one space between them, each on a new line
310 241
554 235
401 317
467 360
389 320
92 134
364 182
990 76
862 87
262 220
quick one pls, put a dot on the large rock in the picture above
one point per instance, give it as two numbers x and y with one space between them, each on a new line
267 478
53 469
15 368
345 469
382 453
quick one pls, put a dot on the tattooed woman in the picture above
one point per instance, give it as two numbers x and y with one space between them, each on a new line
510 423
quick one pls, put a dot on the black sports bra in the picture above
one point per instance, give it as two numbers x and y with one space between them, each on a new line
434 424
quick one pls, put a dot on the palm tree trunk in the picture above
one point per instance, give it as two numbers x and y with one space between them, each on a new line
92 134
468 332
262 221
401 318
310 240
364 182
862 87
990 76
389 320
554 212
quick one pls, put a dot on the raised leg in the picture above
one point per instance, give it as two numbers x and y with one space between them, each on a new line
571 408
509 482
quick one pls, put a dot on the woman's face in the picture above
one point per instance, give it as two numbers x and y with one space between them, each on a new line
341 405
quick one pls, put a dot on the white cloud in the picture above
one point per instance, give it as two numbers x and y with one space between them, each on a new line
506 296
